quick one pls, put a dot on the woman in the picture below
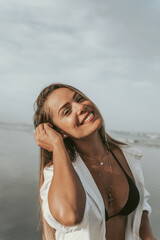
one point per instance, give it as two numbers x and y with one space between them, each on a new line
91 186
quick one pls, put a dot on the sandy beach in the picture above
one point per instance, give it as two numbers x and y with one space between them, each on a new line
19 169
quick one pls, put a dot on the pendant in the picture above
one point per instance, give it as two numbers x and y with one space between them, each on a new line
110 199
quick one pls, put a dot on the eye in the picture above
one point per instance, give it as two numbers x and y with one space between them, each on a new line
80 98
66 111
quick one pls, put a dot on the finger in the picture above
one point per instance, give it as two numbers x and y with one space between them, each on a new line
38 141
35 135
37 132
42 129
49 124
46 128
39 128
49 129
40 132
36 138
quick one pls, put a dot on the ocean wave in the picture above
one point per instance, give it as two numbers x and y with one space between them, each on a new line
139 138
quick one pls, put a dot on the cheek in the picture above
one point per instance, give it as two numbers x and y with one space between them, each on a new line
68 123
70 120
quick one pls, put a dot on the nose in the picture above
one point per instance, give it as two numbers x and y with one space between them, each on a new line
79 108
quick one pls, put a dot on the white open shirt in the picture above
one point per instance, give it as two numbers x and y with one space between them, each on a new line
93 226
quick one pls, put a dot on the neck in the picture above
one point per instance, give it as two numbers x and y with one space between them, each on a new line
91 147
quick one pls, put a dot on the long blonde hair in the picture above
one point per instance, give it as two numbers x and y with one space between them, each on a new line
42 115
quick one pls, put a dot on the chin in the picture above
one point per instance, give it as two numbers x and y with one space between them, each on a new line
92 129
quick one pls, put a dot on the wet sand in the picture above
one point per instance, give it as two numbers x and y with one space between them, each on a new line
19 169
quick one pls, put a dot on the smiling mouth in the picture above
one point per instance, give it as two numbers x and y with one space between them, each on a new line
89 117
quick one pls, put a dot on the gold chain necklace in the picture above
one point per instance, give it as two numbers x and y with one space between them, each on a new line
108 187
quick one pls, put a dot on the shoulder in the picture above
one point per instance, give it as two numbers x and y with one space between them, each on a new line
131 151
128 150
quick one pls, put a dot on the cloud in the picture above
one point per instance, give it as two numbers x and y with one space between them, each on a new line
109 46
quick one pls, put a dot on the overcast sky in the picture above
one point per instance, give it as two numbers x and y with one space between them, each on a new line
110 50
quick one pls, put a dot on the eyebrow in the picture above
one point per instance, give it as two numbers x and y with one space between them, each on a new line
74 96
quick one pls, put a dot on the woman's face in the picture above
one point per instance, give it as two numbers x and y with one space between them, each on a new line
73 114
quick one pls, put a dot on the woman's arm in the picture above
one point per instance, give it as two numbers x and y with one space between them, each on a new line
66 196
145 228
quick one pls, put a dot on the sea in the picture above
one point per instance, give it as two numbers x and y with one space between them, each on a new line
19 172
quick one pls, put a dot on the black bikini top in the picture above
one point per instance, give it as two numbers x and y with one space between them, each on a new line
133 197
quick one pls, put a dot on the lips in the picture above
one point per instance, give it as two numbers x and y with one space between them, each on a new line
86 115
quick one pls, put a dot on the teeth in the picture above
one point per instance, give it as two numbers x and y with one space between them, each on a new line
88 117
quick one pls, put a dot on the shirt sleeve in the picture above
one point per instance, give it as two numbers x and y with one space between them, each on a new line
48 174
146 206
138 155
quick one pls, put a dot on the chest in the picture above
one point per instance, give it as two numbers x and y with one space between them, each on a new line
111 179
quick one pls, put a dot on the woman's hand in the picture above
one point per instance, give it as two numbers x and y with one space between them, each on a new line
46 137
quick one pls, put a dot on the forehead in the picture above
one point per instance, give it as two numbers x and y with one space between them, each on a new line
59 97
